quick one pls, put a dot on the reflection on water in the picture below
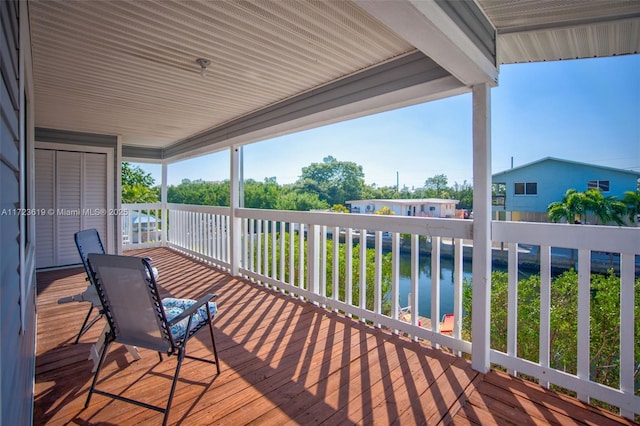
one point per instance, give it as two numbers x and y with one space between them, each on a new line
424 283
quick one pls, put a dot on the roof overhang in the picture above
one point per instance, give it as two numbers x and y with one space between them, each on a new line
128 68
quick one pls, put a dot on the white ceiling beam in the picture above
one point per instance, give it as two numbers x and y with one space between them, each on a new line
426 26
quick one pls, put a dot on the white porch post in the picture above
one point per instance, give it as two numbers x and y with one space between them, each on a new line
164 202
235 223
481 329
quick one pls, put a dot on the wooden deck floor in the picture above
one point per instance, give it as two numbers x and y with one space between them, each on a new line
283 361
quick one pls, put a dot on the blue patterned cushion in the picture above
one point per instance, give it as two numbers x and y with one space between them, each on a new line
174 307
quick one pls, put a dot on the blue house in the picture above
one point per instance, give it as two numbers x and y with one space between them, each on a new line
525 192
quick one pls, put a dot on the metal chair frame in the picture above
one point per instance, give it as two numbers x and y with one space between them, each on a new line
165 342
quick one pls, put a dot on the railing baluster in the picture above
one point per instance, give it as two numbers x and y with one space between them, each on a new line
363 270
282 253
274 269
227 237
244 250
545 308
292 257
206 237
627 327
301 276
415 279
348 273
220 237
313 259
335 282
584 317
199 221
259 263
215 236
323 261
252 244
377 286
395 276
435 286
512 303
192 225
265 248
458 265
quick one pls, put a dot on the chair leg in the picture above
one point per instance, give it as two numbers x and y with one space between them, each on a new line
103 355
173 385
215 351
85 327
82 330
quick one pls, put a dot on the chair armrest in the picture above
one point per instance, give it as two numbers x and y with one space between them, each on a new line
193 308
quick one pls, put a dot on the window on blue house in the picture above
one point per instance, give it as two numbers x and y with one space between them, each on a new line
602 185
526 188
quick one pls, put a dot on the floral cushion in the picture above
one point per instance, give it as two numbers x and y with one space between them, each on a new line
174 307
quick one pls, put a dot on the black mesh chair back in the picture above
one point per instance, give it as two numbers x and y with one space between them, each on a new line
131 302
88 241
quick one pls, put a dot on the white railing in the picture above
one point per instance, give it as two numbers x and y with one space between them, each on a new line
292 252
142 225
593 244
200 231
288 251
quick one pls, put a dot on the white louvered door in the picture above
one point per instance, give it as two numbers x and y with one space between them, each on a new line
45 192
72 186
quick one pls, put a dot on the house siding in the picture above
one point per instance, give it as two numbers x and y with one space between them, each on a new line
554 177
17 308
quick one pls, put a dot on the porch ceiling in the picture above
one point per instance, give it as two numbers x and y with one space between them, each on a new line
548 30
128 68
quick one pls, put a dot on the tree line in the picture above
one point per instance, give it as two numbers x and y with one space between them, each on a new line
331 183
321 186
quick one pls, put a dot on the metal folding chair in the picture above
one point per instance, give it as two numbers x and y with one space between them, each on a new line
137 316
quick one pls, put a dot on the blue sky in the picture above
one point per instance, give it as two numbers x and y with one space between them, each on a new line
582 110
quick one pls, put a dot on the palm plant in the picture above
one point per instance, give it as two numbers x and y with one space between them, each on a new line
607 209
572 208
575 206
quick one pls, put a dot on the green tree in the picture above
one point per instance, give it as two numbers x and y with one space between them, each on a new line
300 201
437 185
333 181
137 185
632 200
379 193
464 193
132 175
262 195
200 192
